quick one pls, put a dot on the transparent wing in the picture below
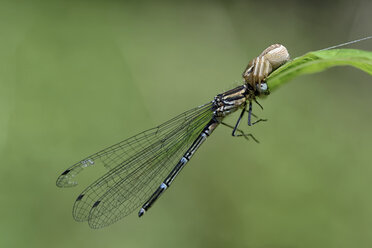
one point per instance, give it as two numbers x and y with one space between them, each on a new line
138 166
114 155
135 185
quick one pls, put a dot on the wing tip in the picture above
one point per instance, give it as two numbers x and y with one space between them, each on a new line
64 180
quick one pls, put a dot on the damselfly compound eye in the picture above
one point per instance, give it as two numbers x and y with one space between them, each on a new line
263 87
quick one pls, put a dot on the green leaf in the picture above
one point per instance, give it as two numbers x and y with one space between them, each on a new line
317 61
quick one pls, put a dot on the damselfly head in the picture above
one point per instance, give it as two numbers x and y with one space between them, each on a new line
259 90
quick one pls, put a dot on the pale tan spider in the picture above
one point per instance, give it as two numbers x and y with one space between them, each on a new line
260 67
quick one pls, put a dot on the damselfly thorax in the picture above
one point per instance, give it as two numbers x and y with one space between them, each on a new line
142 167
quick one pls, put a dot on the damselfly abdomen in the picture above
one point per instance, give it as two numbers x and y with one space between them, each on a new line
142 167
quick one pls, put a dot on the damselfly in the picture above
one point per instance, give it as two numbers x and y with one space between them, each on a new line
142 167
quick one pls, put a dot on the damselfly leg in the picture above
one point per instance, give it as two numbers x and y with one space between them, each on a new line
250 114
242 134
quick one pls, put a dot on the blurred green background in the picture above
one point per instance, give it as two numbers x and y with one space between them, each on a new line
77 76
